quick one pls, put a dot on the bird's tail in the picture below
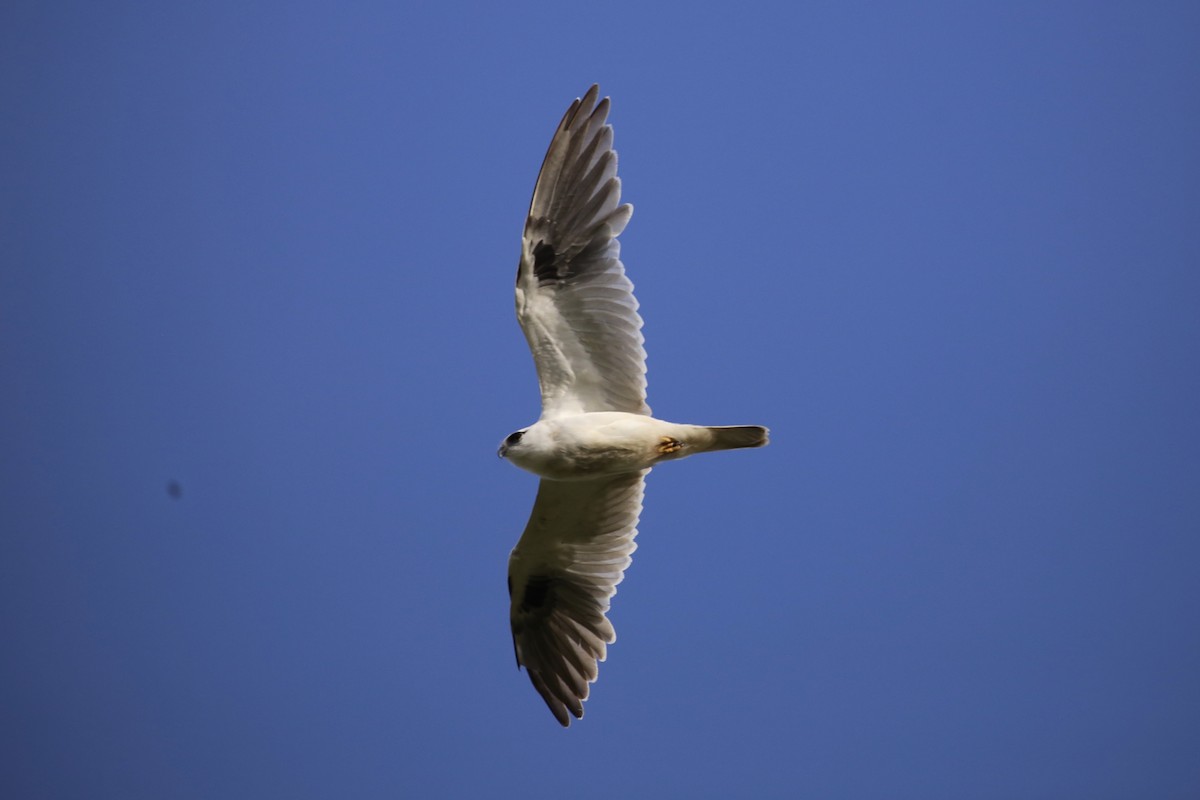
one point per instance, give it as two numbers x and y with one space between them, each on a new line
730 437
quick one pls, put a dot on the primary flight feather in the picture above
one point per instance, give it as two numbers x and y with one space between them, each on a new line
595 440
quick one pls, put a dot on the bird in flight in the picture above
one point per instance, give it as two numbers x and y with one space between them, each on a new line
595 440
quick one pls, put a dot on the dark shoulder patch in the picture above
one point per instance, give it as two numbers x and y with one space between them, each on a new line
538 593
545 262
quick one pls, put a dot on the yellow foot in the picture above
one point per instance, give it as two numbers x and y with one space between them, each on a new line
669 445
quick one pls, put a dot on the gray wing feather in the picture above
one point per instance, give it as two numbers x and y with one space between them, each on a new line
573 299
562 575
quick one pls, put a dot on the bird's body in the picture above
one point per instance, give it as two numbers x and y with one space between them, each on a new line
591 445
595 440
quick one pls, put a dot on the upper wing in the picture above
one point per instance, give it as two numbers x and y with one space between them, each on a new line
561 576
573 300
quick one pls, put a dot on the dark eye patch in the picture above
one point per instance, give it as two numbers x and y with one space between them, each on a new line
513 438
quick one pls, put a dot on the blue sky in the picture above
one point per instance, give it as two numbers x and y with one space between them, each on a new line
948 252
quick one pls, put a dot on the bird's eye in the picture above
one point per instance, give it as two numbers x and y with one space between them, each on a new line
513 438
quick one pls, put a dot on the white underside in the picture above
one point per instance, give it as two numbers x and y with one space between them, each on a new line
583 446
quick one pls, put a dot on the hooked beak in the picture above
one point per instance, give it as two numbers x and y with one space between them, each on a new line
503 449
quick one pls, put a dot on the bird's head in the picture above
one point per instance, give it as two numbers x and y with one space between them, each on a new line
513 440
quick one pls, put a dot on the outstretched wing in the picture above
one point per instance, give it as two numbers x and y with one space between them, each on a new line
561 576
573 300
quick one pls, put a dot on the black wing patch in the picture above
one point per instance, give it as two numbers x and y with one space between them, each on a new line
545 266
539 594
537 600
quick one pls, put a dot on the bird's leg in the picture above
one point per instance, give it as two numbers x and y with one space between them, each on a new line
667 446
